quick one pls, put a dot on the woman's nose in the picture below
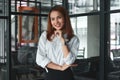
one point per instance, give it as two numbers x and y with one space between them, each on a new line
56 21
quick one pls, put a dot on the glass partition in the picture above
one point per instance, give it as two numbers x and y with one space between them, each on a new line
3 7
16 3
114 54
114 4
43 23
4 42
88 33
83 6
87 29
47 4
28 25
79 25
3 50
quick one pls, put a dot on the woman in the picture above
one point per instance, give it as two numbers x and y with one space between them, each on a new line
57 46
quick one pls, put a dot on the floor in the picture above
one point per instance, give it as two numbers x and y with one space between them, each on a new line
3 76
3 73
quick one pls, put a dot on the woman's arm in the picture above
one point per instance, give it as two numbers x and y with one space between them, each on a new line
41 56
64 47
73 46
52 65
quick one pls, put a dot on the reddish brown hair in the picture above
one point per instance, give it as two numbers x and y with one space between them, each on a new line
67 29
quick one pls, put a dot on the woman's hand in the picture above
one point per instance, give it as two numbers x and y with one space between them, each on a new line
64 67
60 34
74 65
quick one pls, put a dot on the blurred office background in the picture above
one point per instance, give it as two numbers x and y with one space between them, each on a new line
95 22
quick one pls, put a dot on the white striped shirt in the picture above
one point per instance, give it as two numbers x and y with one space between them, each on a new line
51 51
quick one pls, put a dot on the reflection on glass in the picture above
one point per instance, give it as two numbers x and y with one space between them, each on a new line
28 28
115 34
3 49
43 23
88 30
2 34
28 25
82 6
95 5
114 4
47 4
17 3
114 58
79 25
4 8
115 31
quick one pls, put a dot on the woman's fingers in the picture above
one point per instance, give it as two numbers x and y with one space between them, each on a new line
64 67
58 32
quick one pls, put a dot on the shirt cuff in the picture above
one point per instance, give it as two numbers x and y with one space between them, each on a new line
44 63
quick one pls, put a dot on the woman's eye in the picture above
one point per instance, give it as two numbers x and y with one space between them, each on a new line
52 19
59 17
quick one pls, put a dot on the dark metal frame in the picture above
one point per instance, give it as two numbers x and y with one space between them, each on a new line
7 18
104 34
9 43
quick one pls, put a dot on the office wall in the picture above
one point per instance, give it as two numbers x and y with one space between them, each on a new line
93 36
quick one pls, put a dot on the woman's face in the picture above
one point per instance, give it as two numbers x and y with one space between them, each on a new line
57 20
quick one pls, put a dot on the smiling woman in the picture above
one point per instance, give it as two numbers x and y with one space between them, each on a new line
57 20
57 46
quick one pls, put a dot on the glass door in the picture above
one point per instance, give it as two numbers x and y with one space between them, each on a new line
4 43
114 68
87 28
114 53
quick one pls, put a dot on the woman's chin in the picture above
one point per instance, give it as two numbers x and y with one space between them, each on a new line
58 28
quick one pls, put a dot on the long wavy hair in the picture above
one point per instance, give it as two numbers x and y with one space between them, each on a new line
67 29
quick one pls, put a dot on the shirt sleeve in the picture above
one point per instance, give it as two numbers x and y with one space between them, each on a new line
41 56
73 47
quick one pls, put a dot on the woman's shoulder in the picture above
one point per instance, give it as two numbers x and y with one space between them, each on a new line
44 33
75 37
